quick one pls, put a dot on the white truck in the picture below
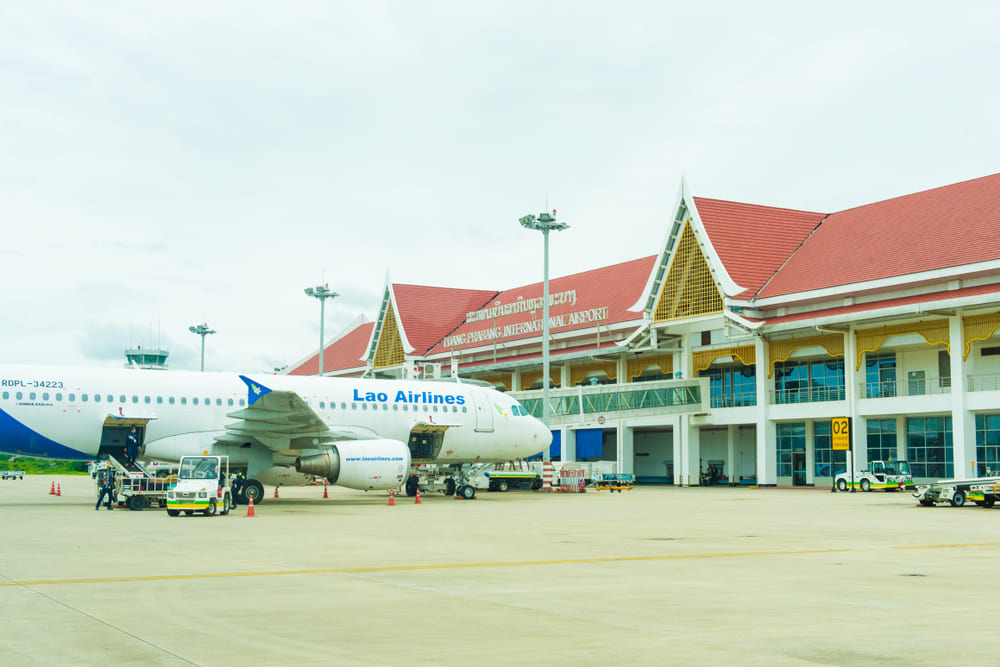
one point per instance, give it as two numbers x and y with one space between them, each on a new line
202 486
887 475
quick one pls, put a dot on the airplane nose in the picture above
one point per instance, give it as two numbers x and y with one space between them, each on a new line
541 435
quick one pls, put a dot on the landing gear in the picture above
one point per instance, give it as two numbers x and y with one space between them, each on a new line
466 492
412 484
253 489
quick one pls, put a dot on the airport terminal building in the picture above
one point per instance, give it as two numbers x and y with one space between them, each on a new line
723 356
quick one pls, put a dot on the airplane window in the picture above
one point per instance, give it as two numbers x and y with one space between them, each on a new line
208 401
322 405
435 408
194 401
135 399
111 399
45 396
343 406
242 402
71 397
31 396
159 400
427 409
465 409
170 400
230 401
83 397
97 398
19 396
354 406
395 407
58 396
364 406
184 400
146 400
121 399
218 401
385 407
6 395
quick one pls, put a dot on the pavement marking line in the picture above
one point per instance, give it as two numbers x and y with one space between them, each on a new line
454 566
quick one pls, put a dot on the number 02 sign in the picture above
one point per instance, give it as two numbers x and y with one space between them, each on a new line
841 429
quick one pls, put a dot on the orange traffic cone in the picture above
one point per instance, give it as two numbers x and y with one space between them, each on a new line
250 507
52 491
325 494
59 489
417 501
275 492
392 499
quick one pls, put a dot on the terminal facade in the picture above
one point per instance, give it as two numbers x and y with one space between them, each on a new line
725 356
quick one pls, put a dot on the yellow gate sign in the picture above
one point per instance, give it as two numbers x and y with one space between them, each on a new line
840 427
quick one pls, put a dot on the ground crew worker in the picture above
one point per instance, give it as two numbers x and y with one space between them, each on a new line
238 485
132 446
107 489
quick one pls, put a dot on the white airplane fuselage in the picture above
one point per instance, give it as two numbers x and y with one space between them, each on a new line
61 412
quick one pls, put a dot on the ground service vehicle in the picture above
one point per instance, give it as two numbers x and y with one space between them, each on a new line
202 486
956 491
887 475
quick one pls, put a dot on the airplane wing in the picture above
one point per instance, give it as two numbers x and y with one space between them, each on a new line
281 421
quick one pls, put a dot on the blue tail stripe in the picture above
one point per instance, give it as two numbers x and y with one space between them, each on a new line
255 390
16 438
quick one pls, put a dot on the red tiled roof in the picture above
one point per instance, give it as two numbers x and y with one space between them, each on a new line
428 314
615 288
342 354
754 241
945 227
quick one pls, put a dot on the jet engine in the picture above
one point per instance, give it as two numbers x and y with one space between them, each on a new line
360 464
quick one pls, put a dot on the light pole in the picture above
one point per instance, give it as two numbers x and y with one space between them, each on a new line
545 222
202 330
321 292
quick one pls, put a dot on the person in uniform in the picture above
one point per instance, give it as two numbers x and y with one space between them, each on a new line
237 488
107 489
131 446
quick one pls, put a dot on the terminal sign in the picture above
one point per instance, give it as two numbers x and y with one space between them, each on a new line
840 427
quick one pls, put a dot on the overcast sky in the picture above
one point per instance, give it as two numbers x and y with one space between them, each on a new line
164 164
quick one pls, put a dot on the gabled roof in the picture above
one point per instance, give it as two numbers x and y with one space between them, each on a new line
428 314
753 241
946 227
343 353
584 300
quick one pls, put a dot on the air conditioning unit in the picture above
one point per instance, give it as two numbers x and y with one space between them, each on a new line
432 371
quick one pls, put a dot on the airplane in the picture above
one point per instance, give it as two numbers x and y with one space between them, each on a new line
370 434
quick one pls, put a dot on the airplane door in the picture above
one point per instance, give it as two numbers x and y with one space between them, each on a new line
484 411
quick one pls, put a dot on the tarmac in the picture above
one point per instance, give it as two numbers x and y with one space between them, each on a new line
654 576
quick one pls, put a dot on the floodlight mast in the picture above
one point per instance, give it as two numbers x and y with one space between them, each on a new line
544 223
321 292
201 330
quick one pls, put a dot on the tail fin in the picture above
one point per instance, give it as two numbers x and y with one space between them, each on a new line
255 390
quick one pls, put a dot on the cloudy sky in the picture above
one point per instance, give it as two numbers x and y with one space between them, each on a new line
169 163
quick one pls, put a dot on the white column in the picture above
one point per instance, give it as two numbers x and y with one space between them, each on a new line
854 377
810 453
732 465
767 462
568 444
626 449
963 422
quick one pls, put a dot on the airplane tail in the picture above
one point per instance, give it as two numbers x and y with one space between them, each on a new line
255 390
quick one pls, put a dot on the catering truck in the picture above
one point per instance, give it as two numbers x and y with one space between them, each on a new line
202 486
887 475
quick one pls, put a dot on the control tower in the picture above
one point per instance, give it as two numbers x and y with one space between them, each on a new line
148 358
